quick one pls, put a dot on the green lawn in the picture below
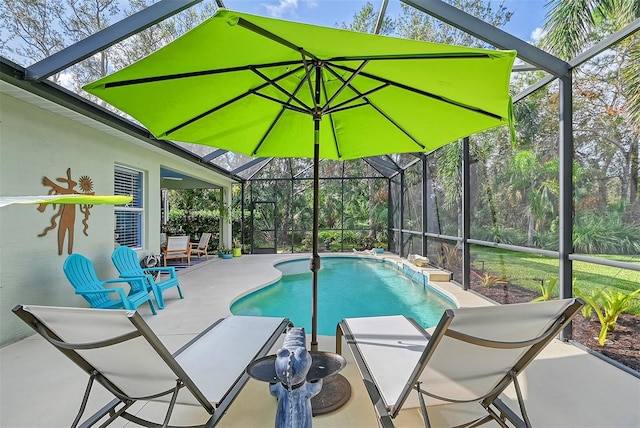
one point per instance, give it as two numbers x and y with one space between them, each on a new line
521 268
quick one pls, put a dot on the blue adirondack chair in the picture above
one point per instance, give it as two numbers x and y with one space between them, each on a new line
126 261
82 275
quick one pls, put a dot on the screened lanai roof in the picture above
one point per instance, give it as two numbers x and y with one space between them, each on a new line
37 77
246 167
238 166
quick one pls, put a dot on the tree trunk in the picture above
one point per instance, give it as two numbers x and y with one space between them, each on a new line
530 230
634 170
602 194
492 206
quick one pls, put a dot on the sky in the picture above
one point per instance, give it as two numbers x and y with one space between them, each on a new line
526 22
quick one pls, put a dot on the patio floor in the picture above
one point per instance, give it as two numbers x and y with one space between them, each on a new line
563 387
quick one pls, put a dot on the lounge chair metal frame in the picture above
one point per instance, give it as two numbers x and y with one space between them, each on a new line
118 406
496 408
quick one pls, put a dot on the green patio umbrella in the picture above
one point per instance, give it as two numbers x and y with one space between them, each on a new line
273 88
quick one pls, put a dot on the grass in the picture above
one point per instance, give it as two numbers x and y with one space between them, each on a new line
521 269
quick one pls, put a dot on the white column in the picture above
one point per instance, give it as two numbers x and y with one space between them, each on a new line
225 226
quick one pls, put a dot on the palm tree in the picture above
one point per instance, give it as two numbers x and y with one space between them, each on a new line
534 183
571 22
570 25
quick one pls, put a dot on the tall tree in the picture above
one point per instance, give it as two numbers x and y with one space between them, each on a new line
573 26
365 20
35 29
31 30
414 24
446 174
153 38
570 23
82 19
535 183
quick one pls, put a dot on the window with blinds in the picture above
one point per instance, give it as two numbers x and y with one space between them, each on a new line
128 218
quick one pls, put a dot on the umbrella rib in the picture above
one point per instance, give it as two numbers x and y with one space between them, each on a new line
206 113
395 57
283 103
404 131
200 73
307 77
339 107
266 134
335 137
273 124
175 76
423 93
281 89
271 36
226 103
333 128
344 85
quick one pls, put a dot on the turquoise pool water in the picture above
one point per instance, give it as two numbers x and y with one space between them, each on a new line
347 287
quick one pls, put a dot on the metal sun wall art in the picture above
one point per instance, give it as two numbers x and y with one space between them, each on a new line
65 217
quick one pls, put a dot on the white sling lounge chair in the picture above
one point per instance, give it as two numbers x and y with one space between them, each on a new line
473 355
119 350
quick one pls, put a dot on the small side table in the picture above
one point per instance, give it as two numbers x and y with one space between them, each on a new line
336 389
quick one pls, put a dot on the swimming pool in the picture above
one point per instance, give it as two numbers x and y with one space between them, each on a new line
347 287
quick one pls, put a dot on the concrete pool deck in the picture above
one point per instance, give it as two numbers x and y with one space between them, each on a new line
564 387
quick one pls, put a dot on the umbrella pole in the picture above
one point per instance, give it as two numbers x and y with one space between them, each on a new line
315 257
336 389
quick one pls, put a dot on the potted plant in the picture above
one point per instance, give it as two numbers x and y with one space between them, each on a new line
225 253
237 248
379 247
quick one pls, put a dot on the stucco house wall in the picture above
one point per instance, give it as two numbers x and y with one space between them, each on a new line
37 140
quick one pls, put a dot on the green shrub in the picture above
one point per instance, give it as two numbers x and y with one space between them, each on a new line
351 237
549 289
513 236
605 234
488 280
508 235
608 306
547 240
327 238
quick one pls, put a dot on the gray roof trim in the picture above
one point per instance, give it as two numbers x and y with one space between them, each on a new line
211 156
585 56
387 169
605 44
248 165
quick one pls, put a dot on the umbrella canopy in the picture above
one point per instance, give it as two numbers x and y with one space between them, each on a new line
248 84
255 85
